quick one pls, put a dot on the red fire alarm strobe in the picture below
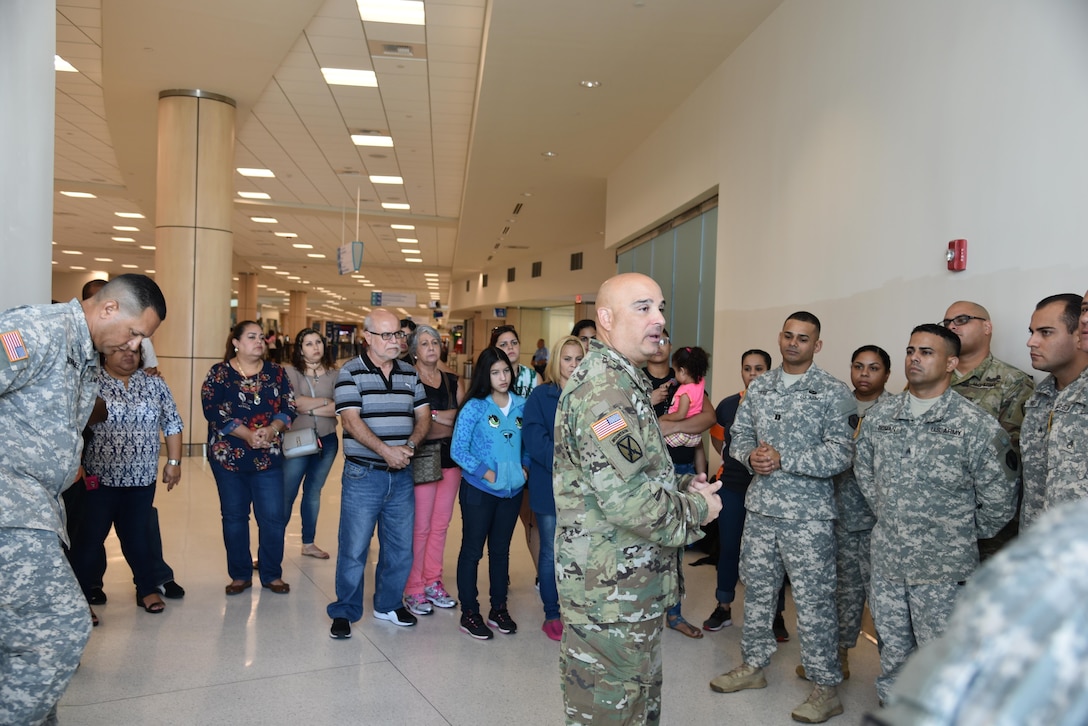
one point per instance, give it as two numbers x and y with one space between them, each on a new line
957 255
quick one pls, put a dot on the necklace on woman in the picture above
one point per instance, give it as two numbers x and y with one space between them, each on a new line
249 381
313 369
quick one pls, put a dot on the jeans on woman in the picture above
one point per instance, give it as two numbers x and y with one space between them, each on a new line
491 519
549 593
128 509
434 509
310 472
263 491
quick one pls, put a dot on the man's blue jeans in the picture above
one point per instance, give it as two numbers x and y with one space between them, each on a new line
372 497
310 473
263 490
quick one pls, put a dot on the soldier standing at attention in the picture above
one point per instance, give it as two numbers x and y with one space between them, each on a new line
997 387
1055 430
939 473
793 432
622 514
48 384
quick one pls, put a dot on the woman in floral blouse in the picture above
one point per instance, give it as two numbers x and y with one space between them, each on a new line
249 404
121 464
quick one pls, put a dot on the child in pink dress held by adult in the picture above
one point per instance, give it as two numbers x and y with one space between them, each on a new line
691 365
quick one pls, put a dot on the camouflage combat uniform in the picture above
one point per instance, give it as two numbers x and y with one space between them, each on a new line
1055 446
1016 647
853 531
48 383
937 483
1001 390
621 517
791 511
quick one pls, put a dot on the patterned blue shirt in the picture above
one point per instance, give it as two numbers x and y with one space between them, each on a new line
124 449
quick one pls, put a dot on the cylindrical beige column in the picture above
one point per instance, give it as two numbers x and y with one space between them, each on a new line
193 245
296 314
247 296
28 36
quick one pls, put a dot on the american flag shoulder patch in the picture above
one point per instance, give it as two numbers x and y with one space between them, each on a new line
609 425
13 346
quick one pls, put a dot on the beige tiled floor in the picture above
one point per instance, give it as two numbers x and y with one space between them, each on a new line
261 658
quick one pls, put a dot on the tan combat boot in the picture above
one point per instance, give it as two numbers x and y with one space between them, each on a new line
821 704
844 661
740 678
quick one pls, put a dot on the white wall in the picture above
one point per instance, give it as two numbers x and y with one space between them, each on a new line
850 140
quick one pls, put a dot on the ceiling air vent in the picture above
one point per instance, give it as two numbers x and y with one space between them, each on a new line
402 51
517 208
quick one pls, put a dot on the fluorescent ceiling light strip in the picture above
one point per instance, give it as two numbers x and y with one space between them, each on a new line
402 12
350 77
248 171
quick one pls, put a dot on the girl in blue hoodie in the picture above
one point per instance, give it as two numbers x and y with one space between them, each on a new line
487 445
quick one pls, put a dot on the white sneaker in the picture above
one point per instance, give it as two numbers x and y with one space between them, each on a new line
400 617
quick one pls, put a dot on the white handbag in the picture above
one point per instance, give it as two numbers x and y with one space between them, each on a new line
302 442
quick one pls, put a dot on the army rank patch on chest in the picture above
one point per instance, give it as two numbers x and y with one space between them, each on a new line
13 346
609 425
629 448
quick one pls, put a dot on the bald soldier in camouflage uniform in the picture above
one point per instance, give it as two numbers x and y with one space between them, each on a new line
1016 647
991 384
622 516
1055 429
48 367
939 473
793 432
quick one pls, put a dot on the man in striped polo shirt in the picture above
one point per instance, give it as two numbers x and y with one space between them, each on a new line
385 414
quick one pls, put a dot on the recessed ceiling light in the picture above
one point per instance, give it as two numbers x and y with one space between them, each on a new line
430 274
413 259
79 195
402 226
349 77
147 247
549 154
254 195
368 284
402 12
122 239
371 140
129 215
268 267
302 246
59 64
262 285
265 220
590 84
282 272
316 255
265 173
149 272
71 252
395 205
410 251
123 228
294 277
408 240
376 179
129 267
103 259
286 235
77 267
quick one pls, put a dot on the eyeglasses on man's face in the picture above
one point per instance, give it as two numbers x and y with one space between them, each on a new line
395 335
960 320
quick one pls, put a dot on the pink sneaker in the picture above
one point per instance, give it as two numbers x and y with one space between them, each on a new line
553 629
